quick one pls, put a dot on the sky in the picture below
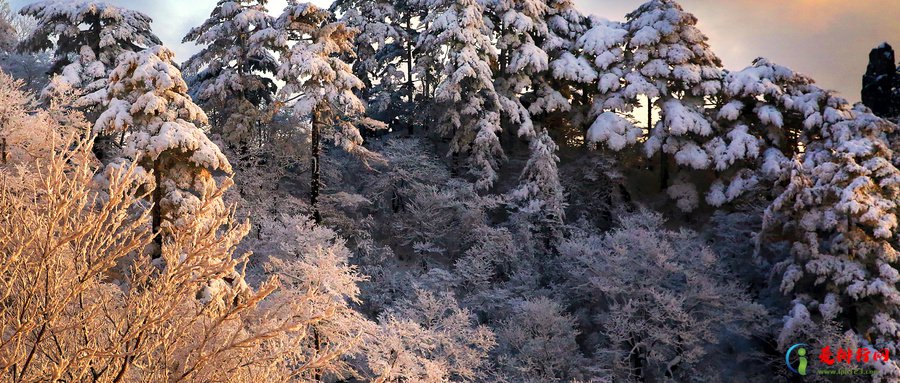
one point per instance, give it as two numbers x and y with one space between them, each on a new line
828 40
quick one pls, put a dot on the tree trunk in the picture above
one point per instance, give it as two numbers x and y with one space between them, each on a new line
409 70
637 362
156 213
663 159
315 184
427 80
317 373
663 170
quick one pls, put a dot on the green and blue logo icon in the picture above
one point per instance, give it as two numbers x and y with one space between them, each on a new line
802 362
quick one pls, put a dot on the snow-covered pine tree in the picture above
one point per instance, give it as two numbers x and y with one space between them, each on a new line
384 54
557 98
669 68
767 114
840 213
519 25
87 36
603 47
540 195
468 103
319 83
232 76
151 112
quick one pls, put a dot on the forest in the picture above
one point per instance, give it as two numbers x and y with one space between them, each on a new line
431 191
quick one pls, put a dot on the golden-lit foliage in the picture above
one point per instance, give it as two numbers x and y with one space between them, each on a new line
82 300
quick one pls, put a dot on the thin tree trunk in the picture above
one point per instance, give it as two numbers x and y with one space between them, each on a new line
637 362
315 184
156 213
663 158
427 80
409 69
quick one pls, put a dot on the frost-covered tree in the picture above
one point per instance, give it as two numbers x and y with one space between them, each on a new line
232 75
428 338
8 34
84 300
157 124
467 103
660 298
839 212
312 262
86 38
412 164
319 83
538 344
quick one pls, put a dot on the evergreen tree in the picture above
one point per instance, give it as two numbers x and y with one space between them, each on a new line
319 83
839 211
519 25
384 55
669 67
669 53
613 120
86 37
468 103
558 96
767 114
151 112
233 74
540 194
